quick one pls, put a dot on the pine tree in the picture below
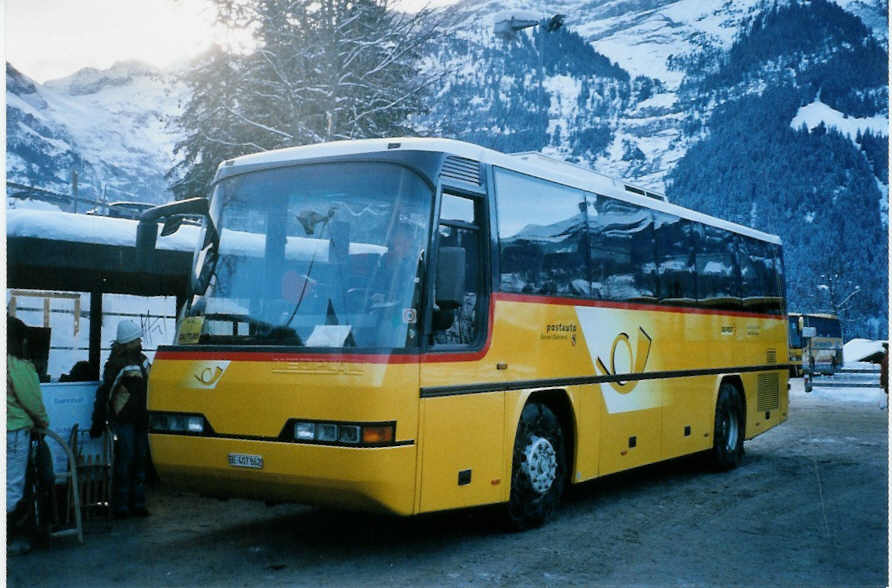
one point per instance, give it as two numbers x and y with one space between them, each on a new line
321 71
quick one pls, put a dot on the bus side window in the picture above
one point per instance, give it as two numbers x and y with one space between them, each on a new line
543 242
718 276
676 260
458 227
621 250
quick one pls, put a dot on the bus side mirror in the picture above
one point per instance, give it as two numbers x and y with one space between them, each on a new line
147 229
450 277
171 225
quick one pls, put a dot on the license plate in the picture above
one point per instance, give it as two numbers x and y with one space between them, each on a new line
242 460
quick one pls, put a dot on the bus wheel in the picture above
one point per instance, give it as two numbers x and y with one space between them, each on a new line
539 471
727 449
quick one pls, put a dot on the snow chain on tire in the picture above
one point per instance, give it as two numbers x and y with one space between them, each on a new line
539 468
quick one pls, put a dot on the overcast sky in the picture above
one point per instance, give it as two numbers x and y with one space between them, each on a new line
48 39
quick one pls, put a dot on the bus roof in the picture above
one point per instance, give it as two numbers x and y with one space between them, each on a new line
528 163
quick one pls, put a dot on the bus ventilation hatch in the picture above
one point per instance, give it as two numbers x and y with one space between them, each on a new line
768 392
772 356
641 192
460 168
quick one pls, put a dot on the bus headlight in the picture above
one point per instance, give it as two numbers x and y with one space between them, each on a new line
327 432
305 431
348 434
195 424
173 422
344 433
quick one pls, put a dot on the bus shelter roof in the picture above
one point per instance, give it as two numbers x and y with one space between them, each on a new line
49 250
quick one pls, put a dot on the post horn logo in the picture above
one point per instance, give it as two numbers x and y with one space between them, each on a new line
638 359
209 376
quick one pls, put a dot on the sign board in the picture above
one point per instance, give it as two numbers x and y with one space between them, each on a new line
68 404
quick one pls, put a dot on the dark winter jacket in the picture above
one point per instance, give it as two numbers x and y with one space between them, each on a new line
123 370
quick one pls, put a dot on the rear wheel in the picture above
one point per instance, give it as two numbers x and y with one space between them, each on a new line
727 449
539 470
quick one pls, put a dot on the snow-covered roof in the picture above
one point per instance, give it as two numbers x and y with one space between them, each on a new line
566 174
101 230
84 228
861 349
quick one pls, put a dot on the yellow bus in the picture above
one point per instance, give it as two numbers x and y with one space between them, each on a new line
823 354
415 325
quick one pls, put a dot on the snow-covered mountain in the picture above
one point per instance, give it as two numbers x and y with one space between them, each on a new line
641 119
772 113
109 126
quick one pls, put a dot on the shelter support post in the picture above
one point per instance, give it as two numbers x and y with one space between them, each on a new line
181 302
95 331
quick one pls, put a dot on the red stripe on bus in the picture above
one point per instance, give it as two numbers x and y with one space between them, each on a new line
531 298
285 356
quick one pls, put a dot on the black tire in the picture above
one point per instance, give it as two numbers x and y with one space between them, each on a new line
539 468
730 429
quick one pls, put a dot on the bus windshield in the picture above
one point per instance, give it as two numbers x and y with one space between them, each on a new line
825 326
325 255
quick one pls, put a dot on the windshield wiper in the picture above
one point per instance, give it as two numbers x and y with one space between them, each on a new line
309 219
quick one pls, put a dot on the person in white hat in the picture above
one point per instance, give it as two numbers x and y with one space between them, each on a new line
121 403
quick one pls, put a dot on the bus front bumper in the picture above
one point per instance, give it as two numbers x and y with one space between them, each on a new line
378 479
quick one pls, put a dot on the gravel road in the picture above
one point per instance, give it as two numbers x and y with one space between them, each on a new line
808 507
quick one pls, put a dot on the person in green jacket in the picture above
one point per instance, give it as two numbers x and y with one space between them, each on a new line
24 411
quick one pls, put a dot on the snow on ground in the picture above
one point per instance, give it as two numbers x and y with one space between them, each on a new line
811 115
858 349
836 394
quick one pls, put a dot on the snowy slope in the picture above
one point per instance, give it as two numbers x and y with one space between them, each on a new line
817 112
648 39
642 41
640 35
108 125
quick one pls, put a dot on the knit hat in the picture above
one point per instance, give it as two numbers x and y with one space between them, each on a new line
127 332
